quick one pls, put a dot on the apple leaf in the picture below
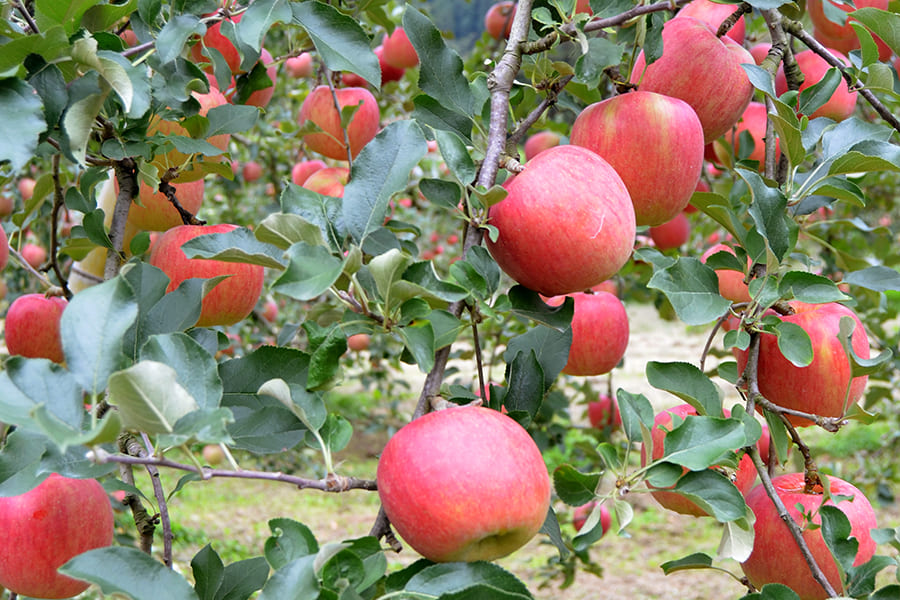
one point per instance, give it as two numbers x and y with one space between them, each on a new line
196 369
529 305
460 580
93 327
477 272
456 156
836 532
637 414
550 347
573 487
22 124
700 442
810 288
148 397
884 24
698 560
878 278
310 271
815 96
33 388
794 344
324 366
419 280
737 540
713 492
525 387
429 111
128 571
862 579
773 591
867 156
693 290
283 230
238 245
688 383
295 580
601 53
175 33
289 541
418 338
209 573
259 18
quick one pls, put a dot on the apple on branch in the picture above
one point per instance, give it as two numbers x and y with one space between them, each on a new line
31 328
318 107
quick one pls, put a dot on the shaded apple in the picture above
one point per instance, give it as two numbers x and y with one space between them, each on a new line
318 107
671 234
842 101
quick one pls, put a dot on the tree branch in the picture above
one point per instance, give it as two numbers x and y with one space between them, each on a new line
126 176
58 203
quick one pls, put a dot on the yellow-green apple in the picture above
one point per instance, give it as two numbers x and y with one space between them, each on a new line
4 249
701 69
540 141
742 477
776 557
566 224
464 484
319 108
842 101
154 212
301 171
399 51
300 65
731 283
214 38
7 204
213 454
580 516
176 159
760 51
232 299
31 328
358 342
672 234
843 37
604 413
599 333
34 254
26 188
654 142
498 19
819 388
44 528
753 121
329 181
713 13
251 171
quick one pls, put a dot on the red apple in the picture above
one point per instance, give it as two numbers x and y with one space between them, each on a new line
581 514
358 342
31 328
776 558
389 72
820 387
498 19
654 142
175 158
232 299
300 65
270 311
262 97
7 204
319 108
760 51
604 412
399 51
540 141
566 224
814 67
731 283
26 188
329 181
303 169
599 333
252 171
671 234
4 249
743 477
156 213
44 528
213 38
702 70
445 483
713 13
583 6
34 254
843 37
129 37
754 122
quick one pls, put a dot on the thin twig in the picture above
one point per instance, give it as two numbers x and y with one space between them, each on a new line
126 176
549 100
145 524
58 203
161 504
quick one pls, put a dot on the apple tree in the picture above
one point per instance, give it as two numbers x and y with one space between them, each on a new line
130 124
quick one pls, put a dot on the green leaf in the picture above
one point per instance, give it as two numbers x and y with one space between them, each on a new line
282 230
714 493
637 414
289 541
794 344
550 347
22 123
196 369
810 288
882 23
768 210
310 271
550 528
878 278
32 386
128 571
324 367
700 442
529 305
148 397
322 211
698 560
259 18
760 79
787 127
867 156
309 407
175 33
688 383
336 433
431 112
419 341
441 73
230 118
243 578
339 39
815 96
381 169
573 487
526 386
93 327
737 540
601 53
456 156
209 571
238 245
460 580
294 581
693 290
837 533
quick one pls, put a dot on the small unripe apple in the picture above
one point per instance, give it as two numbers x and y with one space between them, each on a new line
760 51
4 249
358 342
540 141
213 455
34 254
599 333
329 181
129 37
731 283
270 311
301 171
7 204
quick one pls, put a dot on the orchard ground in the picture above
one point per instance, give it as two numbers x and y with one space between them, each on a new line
235 513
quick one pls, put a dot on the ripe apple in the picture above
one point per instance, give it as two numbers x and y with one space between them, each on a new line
26 188
566 224
213 38
269 311
599 333
776 558
389 72
752 121
743 477
671 234
34 254
498 19
318 107
760 51
464 484
252 171
329 181
44 528
813 66
713 13
358 342
31 328
583 6
581 514
156 213
701 69
129 37
262 97
731 283
303 169
540 141
843 37
175 158
604 412
399 51
7 204
213 454
300 65
818 388
232 299
654 142
4 249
